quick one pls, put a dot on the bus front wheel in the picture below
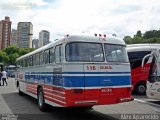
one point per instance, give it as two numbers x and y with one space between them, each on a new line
141 88
41 101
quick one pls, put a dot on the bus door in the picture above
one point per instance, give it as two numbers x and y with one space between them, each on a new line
58 67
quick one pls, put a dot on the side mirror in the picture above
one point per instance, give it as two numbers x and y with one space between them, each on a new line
149 55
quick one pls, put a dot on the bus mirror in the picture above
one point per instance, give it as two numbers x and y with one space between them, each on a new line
143 60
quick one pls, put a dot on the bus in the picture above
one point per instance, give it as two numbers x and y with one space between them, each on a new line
79 70
11 70
153 81
139 76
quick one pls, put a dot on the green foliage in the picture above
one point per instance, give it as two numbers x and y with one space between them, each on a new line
139 34
128 39
11 50
11 53
3 57
152 36
23 51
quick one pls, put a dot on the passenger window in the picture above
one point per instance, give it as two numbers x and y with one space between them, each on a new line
37 59
41 58
58 54
46 56
51 55
135 58
34 60
30 61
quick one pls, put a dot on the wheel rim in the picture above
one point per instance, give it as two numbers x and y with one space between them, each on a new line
40 98
141 89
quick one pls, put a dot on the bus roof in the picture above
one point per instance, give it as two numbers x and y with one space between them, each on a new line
78 38
142 47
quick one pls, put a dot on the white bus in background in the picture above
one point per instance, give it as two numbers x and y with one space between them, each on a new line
153 82
11 70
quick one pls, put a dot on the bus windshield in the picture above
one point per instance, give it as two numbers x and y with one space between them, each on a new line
11 70
84 52
115 53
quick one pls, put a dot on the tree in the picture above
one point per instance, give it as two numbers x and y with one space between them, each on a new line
128 39
139 34
11 53
12 58
3 57
11 50
136 39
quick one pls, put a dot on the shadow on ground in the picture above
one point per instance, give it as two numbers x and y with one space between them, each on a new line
27 109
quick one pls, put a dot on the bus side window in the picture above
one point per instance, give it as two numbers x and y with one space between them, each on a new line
21 63
46 55
34 60
41 58
51 55
58 54
26 62
37 60
135 58
30 61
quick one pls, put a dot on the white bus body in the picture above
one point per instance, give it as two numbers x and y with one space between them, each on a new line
78 70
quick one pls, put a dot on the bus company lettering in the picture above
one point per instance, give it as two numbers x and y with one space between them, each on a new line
91 67
105 67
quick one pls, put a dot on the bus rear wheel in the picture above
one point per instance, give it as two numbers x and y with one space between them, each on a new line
141 89
41 101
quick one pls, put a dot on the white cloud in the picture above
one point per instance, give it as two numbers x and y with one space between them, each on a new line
60 17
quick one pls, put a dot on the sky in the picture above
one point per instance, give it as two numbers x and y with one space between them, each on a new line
61 17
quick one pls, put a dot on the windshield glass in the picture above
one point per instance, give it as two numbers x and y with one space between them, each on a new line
84 52
116 53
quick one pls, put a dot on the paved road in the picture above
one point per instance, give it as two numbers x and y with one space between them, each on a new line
25 108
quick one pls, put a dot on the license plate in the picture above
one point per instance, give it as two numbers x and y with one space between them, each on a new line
106 90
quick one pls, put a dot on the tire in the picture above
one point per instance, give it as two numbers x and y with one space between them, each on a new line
141 89
19 91
41 101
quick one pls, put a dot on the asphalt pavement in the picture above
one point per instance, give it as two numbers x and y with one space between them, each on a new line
13 106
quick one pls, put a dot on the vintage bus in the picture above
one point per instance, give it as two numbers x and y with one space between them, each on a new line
78 70
153 81
136 52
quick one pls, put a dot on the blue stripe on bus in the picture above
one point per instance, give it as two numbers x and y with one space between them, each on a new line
80 81
92 81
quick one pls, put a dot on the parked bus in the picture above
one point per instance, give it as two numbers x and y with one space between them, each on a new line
78 70
136 52
153 82
11 70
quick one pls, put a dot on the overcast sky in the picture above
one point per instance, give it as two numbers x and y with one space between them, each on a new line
60 17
